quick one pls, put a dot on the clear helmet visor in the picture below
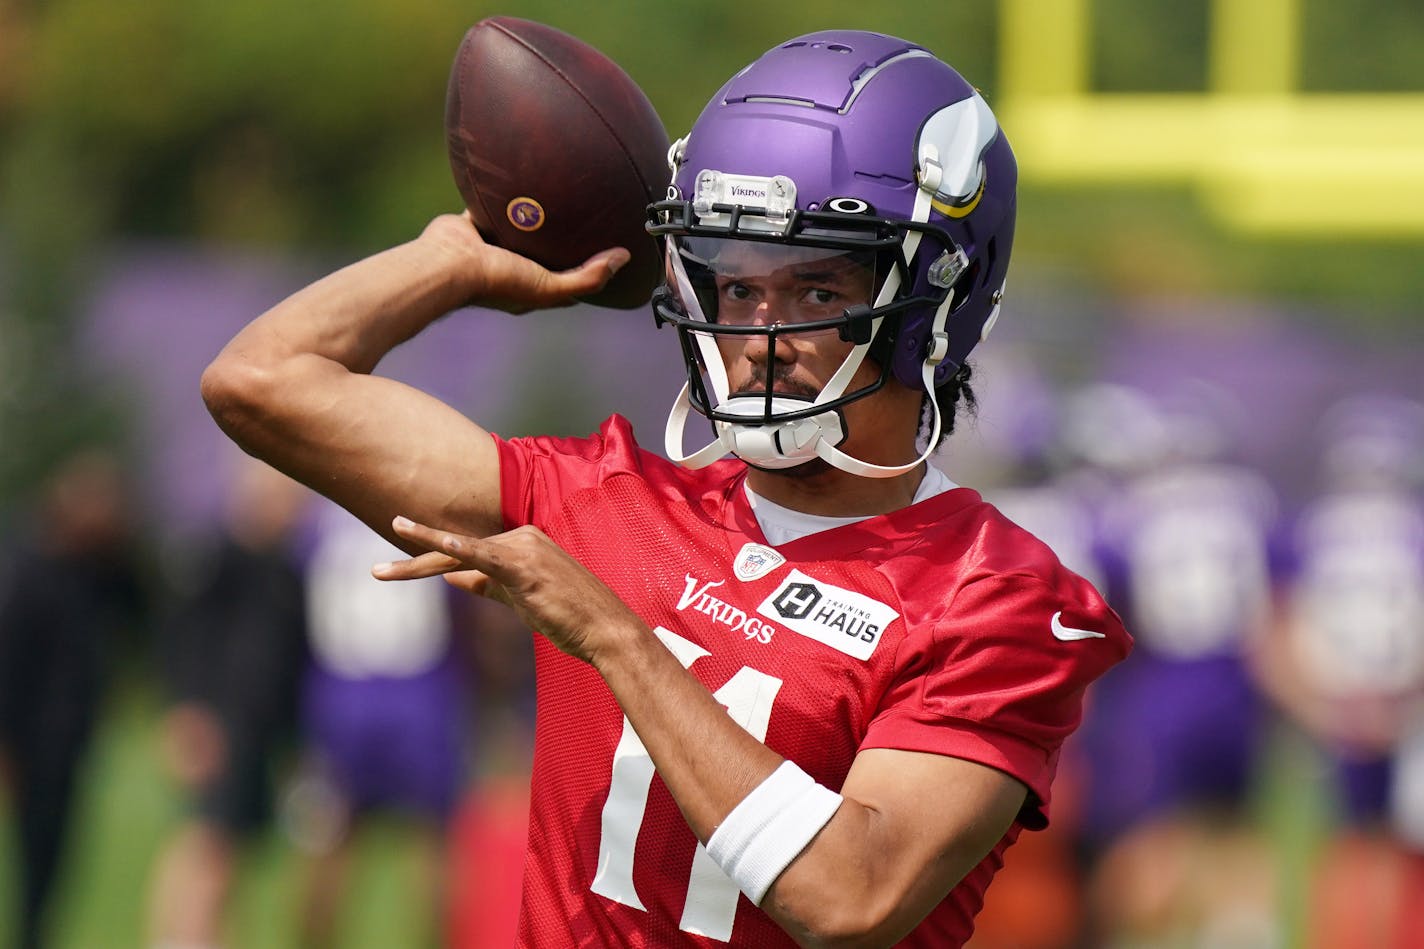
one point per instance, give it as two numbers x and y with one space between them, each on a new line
736 302
757 285
750 302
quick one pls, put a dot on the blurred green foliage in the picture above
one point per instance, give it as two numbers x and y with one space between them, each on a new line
320 122
1362 46
318 125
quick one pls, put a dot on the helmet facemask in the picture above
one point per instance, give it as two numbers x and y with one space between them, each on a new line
727 296
737 276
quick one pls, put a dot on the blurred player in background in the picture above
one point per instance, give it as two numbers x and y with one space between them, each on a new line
385 716
1069 454
1051 485
488 831
1347 664
71 594
1172 743
810 693
233 653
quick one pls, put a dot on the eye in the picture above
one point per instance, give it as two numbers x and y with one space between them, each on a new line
737 291
820 296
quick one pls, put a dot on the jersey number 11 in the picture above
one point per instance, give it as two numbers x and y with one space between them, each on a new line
711 904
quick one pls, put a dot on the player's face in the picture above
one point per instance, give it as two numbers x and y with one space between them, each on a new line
772 285
774 313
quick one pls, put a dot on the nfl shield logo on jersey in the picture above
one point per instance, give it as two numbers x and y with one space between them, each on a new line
755 561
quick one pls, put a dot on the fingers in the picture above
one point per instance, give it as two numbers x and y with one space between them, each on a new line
427 537
447 552
509 281
479 584
606 263
527 285
436 563
487 567
432 564
561 286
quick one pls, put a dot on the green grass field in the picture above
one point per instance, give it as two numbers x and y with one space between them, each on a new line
125 809
127 806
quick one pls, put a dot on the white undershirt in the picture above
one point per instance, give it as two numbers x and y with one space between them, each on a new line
781 525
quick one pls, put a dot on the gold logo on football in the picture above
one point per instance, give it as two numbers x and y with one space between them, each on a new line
525 214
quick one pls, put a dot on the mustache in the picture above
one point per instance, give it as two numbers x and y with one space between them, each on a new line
779 379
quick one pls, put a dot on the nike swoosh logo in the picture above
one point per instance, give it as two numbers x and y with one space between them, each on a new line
1070 634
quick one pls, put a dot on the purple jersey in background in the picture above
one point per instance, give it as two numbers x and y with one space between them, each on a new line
385 705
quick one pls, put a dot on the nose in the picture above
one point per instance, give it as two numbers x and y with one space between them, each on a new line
767 353
769 311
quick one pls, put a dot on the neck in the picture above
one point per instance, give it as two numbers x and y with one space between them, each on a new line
818 488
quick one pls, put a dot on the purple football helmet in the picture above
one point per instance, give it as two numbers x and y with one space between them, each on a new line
865 153
1372 439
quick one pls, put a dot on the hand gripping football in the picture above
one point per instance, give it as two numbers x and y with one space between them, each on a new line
556 151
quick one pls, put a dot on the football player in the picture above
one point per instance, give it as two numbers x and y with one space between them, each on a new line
1172 746
794 685
1347 664
383 713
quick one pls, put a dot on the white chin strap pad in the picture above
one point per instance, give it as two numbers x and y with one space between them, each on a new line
778 445
782 445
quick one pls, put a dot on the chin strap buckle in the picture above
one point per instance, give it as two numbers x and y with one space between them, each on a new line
939 348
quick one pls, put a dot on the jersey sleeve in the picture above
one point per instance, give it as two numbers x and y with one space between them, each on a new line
535 474
1000 678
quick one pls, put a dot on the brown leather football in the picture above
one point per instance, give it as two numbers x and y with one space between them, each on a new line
556 151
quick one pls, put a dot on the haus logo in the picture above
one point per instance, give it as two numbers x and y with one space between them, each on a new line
845 620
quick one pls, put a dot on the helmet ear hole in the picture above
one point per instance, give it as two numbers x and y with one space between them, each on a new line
964 286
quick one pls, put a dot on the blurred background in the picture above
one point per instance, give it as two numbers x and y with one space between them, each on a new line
1204 392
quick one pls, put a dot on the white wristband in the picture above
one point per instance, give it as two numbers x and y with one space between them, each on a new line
770 827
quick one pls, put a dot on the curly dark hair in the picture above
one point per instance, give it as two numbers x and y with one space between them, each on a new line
949 396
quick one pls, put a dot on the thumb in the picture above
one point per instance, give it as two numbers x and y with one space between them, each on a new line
523 284
608 261
590 276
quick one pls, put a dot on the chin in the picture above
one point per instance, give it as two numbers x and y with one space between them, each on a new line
810 468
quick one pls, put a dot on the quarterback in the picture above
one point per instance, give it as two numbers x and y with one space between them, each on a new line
829 690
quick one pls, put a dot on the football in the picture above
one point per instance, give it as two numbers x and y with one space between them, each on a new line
556 151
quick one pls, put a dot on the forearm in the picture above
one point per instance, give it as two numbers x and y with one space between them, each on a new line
710 764
358 314
906 829
708 761
295 388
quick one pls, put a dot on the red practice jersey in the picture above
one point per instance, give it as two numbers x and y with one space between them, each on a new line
941 627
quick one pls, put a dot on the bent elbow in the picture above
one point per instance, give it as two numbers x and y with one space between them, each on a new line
236 391
840 924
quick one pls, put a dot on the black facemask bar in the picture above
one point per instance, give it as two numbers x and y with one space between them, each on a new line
854 327
807 228
831 230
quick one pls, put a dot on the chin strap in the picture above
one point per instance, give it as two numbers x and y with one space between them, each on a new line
865 469
833 455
